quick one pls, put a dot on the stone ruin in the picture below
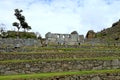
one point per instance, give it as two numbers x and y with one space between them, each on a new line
76 39
64 39
12 44
55 39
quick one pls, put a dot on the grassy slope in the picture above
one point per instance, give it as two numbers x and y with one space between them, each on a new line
110 34
46 75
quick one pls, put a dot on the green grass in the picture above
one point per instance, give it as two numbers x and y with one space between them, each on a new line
46 75
62 59
72 49
65 51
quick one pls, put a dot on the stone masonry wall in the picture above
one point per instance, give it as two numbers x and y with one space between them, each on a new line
57 66
9 42
105 76
54 55
64 39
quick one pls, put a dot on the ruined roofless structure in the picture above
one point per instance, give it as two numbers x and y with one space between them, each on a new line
64 39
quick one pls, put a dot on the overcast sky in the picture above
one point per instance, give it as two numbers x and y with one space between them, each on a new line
62 16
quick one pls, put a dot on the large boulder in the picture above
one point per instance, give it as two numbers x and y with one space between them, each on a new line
90 34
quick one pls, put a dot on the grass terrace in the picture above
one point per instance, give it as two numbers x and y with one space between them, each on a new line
47 75
53 55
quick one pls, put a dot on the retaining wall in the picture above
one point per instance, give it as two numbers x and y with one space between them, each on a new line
105 76
57 66
9 42
54 55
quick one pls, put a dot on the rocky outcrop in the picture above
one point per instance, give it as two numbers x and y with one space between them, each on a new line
90 34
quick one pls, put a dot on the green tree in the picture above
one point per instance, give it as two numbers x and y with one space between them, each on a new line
18 27
21 19
28 28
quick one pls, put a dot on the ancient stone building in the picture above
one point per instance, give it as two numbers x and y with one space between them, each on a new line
63 39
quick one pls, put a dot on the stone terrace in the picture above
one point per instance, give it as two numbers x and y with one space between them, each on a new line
47 60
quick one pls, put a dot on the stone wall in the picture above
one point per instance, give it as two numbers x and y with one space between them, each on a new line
76 39
67 40
105 76
100 42
64 39
56 55
9 42
56 66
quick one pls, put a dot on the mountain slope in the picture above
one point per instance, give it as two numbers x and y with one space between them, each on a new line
110 34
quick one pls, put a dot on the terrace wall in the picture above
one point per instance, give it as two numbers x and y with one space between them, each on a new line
105 76
57 55
57 66
9 42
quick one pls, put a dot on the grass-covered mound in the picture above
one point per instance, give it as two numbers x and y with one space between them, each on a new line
13 34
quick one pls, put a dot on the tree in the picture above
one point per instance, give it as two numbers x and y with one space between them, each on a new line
21 19
28 28
18 27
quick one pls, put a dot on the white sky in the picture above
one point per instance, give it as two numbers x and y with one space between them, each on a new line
62 16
